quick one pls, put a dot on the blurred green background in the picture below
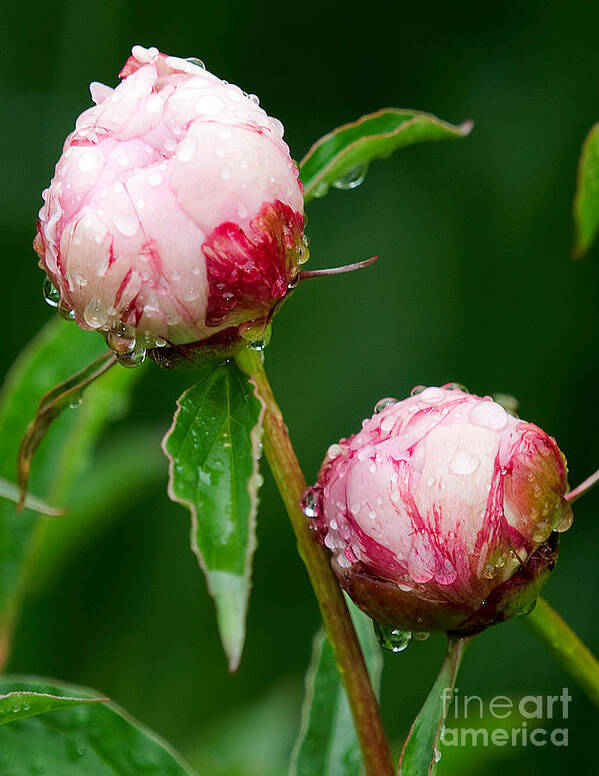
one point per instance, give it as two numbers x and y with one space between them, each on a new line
474 284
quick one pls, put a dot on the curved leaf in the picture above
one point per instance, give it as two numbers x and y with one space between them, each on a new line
420 754
92 739
214 448
23 704
586 202
10 491
341 157
327 744
60 349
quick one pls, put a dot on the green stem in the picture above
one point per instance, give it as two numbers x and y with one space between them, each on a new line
338 625
565 646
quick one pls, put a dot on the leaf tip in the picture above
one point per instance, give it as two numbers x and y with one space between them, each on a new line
466 127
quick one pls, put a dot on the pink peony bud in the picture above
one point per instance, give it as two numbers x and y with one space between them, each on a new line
175 211
440 512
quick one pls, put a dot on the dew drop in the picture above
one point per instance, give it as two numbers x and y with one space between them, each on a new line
320 190
132 358
95 314
565 520
383 404
393 639
195 61
353 178
304 250
417 389
421 635
488 414
126 223
155 179
88 161
464 463
75 404
431 395
50 292
310 503
456 387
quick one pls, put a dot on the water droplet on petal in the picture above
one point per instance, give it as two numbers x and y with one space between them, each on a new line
383 404
456 387
310 503
196 61
565 520
393 639
488 414
95 314
464 463
51 293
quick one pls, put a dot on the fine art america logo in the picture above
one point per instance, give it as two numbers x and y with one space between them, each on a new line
533 720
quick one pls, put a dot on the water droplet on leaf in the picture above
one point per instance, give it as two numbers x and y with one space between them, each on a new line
353 178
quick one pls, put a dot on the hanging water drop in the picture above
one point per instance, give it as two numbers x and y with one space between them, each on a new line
304 250
76 403
353 178
132 358
50 292
320 190
310 503
393 639
421 635
565 520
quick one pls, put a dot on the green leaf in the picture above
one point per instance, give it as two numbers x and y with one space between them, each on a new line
68 393
586 202
58 351
420 753
214 448
19 705
10 491
94 739
131 463
341 158
327 744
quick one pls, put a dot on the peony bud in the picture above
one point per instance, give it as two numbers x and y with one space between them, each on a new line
175 212
440 512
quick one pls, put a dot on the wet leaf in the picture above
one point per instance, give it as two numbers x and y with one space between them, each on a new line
52 404
214 448
19 705
586 202
421 753
341 158
58 351
327 744
90 739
